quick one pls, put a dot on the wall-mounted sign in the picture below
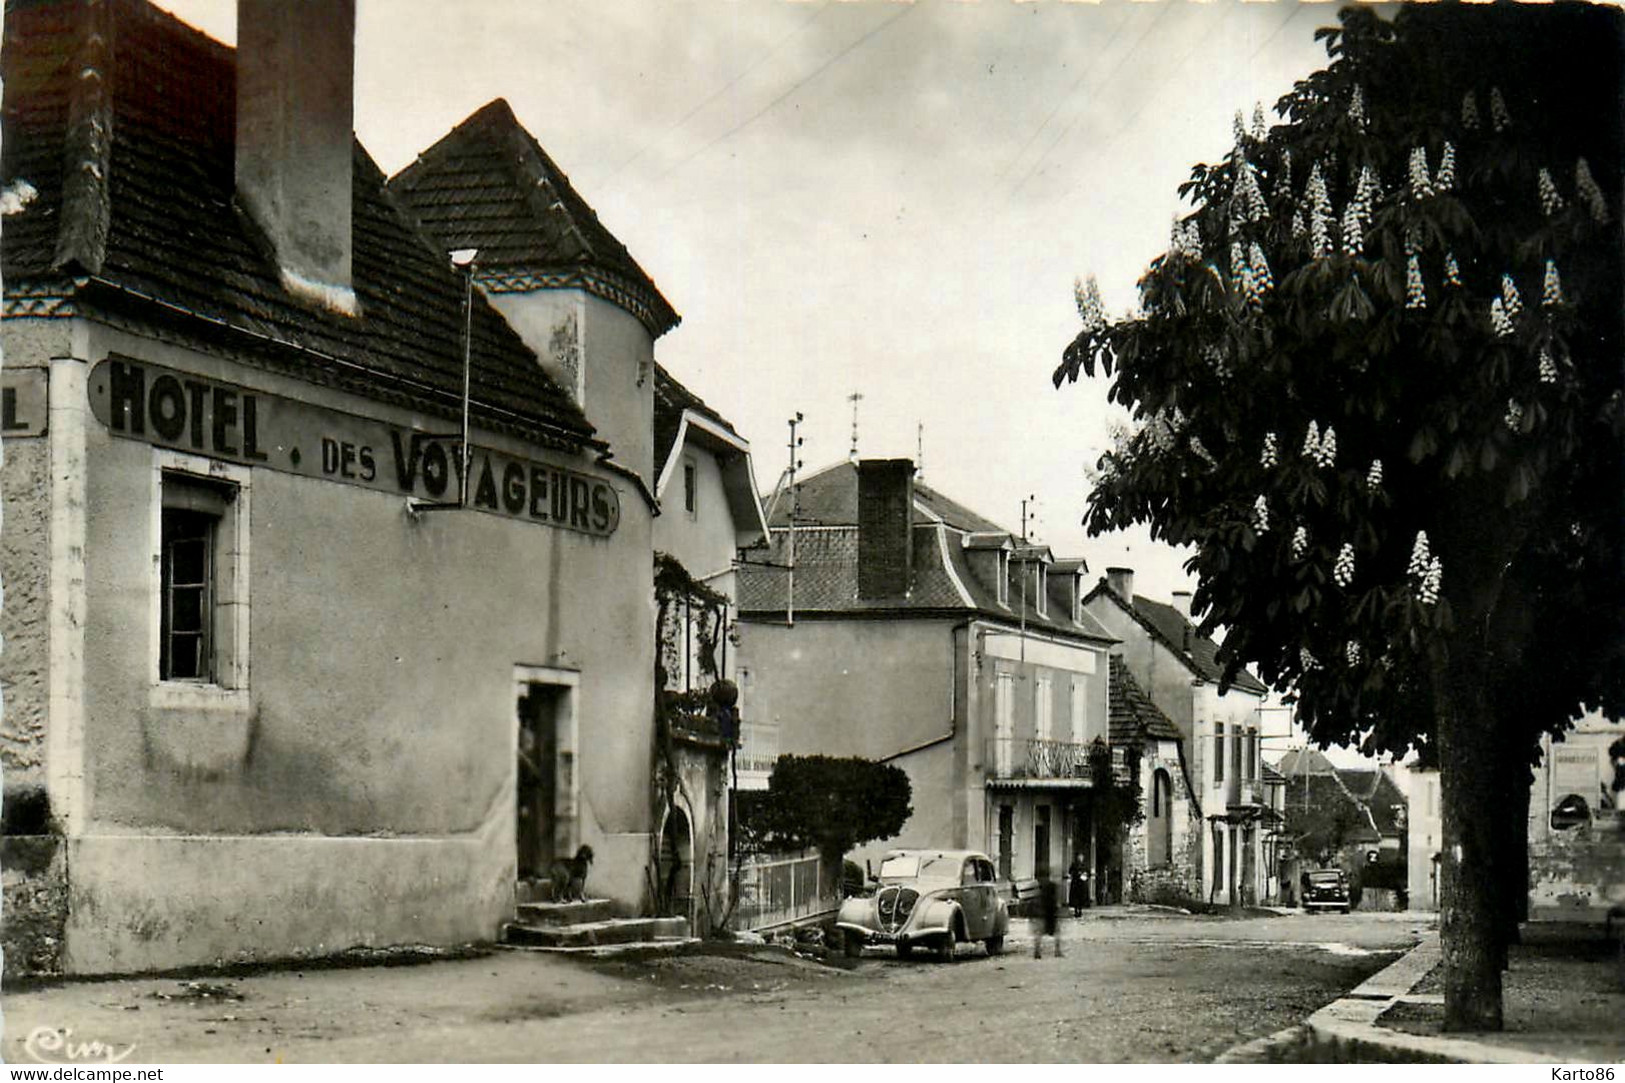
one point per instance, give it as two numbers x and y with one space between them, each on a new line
23 402
177 410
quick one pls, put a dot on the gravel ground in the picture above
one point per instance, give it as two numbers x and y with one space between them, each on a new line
1145 988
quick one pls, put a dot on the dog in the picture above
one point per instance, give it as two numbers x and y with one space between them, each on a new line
569 876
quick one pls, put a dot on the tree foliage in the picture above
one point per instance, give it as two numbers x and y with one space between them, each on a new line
829 802
1377 386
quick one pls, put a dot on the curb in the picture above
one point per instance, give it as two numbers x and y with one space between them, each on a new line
1349 1024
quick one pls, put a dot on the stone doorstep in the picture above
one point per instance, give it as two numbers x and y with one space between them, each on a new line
664 945
565 913
591 934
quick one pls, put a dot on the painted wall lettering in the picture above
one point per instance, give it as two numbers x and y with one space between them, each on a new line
23 401
209 417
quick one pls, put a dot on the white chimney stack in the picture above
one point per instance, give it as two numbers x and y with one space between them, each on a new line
1121 581
1182 602
295 129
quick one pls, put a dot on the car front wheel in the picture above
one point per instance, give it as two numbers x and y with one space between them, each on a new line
852 945
904 949
945 948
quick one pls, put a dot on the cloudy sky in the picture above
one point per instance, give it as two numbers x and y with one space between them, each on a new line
864 196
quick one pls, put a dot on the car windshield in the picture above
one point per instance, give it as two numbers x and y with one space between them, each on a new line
910 866
1325 877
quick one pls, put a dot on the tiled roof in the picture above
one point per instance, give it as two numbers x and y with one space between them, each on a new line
1272 776
830 498
671 399
123 119
826 579
1305 761
488 184
1134 717
1179 635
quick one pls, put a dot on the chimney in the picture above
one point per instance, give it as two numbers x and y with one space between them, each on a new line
1121 581
1182 602
295 129
885 527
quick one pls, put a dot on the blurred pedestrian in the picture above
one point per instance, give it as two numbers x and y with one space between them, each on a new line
1049 914
1077 886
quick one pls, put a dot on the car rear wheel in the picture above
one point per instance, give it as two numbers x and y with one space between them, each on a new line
904 949
995 945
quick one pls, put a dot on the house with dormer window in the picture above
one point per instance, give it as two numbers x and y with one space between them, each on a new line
908 629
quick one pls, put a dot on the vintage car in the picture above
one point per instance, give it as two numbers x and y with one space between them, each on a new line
934 898
1326 889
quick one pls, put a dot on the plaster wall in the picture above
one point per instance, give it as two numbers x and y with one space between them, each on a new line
363 792
851 688
1424 829
603 356
704 539
25 547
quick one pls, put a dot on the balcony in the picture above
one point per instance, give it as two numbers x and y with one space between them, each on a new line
1244 797
1033 763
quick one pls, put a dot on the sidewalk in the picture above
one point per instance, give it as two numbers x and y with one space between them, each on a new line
1562 999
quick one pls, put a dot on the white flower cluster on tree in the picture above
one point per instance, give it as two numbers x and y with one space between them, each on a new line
1550 201
1321 447
1343 570
1357 106
1446 179
1452 273
1258 121
1269 457
1548 367
1352 652
1300 542
1421 185
1499 117
1306 658
1187 239
1320 213
1509 295
1249 205
1261 515
1427 570
1090 309
1552 289
1415 293
1585 186
1514 416
1373 476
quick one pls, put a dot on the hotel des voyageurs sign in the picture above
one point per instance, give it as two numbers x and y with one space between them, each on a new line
221 420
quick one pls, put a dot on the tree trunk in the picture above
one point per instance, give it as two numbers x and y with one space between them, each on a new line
1470 911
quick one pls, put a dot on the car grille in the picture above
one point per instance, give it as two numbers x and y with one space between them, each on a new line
896 904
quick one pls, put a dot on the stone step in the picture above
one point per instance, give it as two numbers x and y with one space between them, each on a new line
589 934
565 913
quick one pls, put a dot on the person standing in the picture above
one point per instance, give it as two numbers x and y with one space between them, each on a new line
1049 915
1077 886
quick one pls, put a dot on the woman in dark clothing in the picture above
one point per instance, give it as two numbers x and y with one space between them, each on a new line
1077 886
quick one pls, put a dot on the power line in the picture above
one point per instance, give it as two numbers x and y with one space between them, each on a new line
1124 59
770 106
719 92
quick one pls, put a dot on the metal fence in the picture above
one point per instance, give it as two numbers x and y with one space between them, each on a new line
779 890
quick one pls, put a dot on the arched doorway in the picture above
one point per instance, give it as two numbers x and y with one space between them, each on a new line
676 866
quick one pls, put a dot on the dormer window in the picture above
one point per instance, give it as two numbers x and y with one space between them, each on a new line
1041 591
1004 578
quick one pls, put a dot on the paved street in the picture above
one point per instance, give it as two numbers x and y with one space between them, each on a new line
1139 988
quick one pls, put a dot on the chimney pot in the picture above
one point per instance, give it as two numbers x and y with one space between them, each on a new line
1182 602
885 527
1121 581
294 142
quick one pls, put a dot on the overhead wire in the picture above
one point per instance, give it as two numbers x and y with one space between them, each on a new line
800 83
719 92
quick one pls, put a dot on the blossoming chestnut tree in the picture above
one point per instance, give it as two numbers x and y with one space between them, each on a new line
1377 387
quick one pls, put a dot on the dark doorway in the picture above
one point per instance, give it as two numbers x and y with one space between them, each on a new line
676 866
1041 862
1007 842
538 756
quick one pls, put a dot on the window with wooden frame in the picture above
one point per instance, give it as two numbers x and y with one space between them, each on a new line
201 563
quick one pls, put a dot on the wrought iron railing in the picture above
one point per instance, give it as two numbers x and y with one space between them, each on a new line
1008 757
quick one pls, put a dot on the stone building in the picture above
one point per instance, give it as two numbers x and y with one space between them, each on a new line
895 624
271 669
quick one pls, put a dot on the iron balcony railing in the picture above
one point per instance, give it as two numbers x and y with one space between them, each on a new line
1032 758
